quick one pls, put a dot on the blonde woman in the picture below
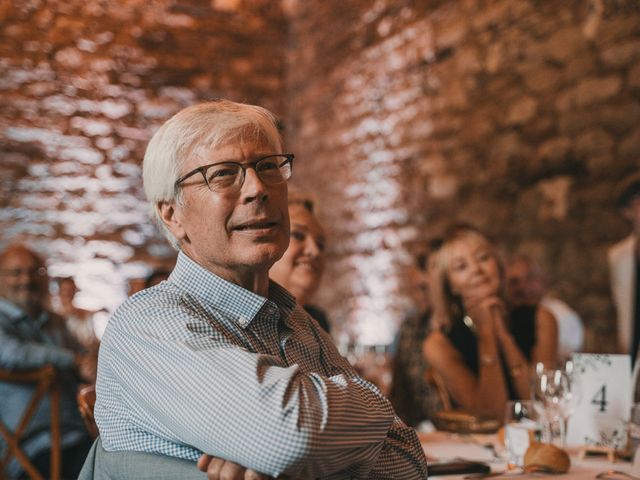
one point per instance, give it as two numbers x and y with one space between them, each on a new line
483 352
301 267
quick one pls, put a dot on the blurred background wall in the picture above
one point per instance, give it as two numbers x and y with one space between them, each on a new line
517 116
83 86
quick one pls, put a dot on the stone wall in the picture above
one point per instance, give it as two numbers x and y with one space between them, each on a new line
83 85
517 116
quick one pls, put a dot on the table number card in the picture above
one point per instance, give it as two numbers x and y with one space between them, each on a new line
603 390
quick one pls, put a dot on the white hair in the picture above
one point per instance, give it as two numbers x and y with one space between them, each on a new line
191 131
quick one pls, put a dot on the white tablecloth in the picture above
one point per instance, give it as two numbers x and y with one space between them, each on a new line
447 446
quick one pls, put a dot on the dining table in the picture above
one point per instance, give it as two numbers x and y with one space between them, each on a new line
440 446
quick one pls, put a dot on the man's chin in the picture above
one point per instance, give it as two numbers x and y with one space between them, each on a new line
264 255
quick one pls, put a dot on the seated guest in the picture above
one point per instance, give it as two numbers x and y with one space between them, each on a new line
483 352
32 337
624 268
79 322
413 393
134 285
300 268
156 276
526 286
218 360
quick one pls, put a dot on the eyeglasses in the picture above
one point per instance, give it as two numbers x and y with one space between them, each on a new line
229 176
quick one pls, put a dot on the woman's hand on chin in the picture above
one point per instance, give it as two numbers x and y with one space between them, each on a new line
487 312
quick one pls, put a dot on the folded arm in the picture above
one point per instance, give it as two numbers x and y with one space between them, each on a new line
248 408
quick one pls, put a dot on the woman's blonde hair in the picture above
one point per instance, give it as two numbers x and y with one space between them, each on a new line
448 306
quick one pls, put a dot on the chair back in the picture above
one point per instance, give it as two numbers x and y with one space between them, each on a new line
86 401
44 381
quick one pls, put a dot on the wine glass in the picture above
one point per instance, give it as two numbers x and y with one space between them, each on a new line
520 426
555 397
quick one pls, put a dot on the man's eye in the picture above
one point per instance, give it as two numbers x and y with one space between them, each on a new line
218 173
268 165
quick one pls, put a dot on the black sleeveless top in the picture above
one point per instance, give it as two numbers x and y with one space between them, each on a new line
522 326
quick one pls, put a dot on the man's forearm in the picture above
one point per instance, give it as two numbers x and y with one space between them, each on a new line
238 403
402 455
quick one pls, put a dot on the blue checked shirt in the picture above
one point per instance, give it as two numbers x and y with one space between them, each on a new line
198 364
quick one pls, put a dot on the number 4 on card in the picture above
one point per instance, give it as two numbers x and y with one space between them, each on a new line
600 398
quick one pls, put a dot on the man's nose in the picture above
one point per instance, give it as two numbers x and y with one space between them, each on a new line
253 188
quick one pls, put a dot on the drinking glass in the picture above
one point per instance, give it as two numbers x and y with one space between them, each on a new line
520 426
555 397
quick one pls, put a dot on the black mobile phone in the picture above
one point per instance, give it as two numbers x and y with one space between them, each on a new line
456 467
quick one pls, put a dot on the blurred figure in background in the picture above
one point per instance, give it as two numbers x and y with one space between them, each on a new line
31 337
624 268
527 287
301 267
413 393
79 321
483 352
134 285
156 276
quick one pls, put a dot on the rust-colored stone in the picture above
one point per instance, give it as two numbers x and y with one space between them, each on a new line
518 116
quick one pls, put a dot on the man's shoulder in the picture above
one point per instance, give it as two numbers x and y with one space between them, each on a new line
622 249
558 308
9 313
151 306
164 309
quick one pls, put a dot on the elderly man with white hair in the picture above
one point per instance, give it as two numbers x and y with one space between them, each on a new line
218 363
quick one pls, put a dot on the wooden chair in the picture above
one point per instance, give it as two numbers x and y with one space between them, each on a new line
44 380
86 401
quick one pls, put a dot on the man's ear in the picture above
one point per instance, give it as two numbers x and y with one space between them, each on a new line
172 219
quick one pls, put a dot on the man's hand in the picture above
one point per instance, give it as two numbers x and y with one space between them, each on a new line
219 469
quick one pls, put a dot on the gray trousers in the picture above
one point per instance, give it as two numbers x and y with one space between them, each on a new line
103 465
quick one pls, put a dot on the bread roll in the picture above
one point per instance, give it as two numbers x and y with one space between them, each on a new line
549 457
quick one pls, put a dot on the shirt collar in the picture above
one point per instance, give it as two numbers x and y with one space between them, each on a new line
238 303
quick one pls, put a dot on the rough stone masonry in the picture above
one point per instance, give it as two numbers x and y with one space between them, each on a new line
518 116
